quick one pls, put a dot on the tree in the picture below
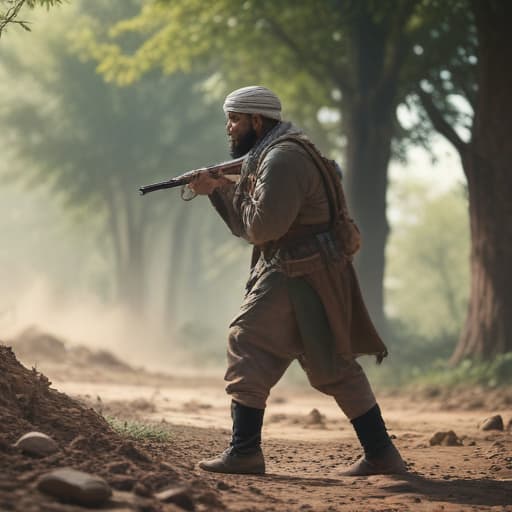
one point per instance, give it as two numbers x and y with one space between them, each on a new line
486 159
104 142
352 57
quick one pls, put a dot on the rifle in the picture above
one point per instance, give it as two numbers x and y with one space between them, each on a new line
230 170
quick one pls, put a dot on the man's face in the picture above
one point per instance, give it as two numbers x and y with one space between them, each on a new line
241 133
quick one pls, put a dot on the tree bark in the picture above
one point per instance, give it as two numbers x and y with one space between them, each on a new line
369 134
487 164
377 51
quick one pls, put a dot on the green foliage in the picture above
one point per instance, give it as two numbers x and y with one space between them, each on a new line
494 373
96 143
434 371
300 49
427 273
315 53
139 431
411 356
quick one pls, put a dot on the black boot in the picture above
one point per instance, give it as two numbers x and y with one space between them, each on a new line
380 455
244 455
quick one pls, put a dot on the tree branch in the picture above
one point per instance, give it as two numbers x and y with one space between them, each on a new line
280 34
440 123
10 16
464 85
398 46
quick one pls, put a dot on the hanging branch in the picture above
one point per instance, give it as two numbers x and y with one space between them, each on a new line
440 123
10 16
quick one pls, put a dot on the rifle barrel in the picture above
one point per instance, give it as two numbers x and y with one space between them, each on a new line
185 178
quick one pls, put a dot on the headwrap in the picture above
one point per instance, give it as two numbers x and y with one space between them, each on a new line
253 100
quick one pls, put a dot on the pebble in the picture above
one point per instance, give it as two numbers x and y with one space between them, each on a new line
179 496
315 418
492 423
445 439
37 443
70 485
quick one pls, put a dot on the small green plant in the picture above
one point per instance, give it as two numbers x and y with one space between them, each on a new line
138 430
494 373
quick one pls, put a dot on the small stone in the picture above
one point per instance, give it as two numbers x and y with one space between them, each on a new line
129 450
119 467
445 439
72 486
142 490
315 418
37 443
492 423
177 495
223 486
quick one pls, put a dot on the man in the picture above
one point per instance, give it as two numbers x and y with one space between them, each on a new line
302 299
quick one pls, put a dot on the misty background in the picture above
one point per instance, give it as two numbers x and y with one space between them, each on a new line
155 279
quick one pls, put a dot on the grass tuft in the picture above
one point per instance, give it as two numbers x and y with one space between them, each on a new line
138 430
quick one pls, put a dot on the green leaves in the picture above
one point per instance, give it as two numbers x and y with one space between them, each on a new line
10 9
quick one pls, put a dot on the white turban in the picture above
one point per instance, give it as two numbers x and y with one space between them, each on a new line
253 100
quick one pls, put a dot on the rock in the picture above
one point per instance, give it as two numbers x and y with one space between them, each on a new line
492 423
315 420
72 486
223 486
509 424
177 495
142 490
37 443
445 439
315 417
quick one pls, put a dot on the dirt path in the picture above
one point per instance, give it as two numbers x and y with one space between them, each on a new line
305 450
306 441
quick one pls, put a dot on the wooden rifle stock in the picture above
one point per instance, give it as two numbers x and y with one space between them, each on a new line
229 168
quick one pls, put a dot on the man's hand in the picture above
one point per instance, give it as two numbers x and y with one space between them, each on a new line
203 184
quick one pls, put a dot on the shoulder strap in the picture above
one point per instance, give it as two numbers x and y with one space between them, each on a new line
332 184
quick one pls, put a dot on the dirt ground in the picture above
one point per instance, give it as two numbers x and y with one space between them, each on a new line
306 441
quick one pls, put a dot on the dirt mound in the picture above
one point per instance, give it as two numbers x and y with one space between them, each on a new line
28 402
35 346
86 443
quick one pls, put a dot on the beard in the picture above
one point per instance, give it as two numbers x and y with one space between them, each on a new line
244 144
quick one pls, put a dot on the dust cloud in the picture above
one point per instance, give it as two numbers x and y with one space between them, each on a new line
56 276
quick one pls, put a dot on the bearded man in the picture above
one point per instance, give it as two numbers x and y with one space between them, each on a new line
302 299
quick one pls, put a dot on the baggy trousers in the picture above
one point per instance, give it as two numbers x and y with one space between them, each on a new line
263 341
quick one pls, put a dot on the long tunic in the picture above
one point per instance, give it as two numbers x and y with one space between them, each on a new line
289 192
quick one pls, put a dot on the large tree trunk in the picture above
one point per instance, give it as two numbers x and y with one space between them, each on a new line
377 50
369 131
487 162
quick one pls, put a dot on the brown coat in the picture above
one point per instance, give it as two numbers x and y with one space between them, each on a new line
294 187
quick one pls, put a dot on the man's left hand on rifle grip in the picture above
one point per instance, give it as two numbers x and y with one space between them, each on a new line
204 184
